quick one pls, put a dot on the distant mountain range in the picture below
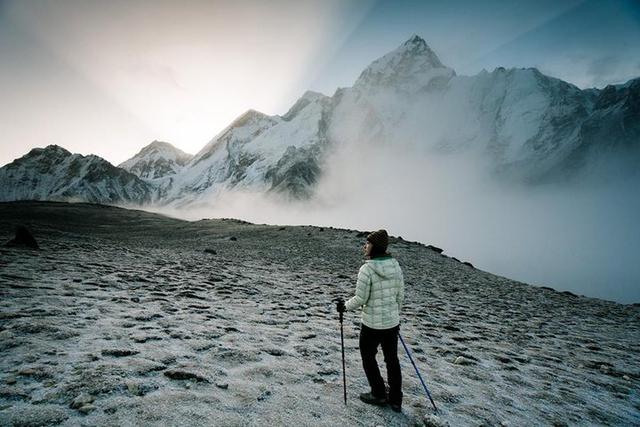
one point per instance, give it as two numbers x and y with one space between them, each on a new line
530 127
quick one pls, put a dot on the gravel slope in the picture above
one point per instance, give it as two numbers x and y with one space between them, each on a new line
131 318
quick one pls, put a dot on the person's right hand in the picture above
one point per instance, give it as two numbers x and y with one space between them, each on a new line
340 308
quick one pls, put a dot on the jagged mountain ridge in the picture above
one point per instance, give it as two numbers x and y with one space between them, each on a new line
530 127
53 173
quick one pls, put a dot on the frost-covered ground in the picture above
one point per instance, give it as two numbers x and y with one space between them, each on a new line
130 318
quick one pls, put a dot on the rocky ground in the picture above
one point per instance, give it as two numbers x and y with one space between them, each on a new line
124 317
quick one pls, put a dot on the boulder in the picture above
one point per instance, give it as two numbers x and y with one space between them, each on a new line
23 239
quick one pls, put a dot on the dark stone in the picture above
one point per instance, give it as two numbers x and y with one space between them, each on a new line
469 264
184 375
233 238
275 352
455 259
135 299
23 238
210 251
118 352
435 249
282 228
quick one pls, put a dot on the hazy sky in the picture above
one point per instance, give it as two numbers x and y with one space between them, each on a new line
108 77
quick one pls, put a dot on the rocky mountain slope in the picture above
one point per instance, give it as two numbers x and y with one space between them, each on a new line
53 173
156 160
127 317
525 126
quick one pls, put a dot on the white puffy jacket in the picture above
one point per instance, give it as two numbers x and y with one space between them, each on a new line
380 293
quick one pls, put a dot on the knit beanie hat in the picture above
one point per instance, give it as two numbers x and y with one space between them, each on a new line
379 239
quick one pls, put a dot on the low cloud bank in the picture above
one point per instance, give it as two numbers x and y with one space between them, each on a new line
583 237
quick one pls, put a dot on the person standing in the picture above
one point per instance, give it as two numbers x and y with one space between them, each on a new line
380 293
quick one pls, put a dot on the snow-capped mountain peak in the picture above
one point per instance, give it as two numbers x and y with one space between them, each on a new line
157 160
307 98
414 62
243 129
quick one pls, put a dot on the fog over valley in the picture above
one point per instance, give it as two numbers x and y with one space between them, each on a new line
581 236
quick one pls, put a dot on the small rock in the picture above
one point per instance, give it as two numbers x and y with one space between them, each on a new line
134 389
87 408
233 238
210 251
461 361
118 352
135 299
626 378
223 386
176 374
81 400
264 395
12 380
431 420
275 352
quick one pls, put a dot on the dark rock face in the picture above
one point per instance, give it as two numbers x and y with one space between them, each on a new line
23 238
296 172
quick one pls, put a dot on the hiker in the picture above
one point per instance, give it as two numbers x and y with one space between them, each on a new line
380 292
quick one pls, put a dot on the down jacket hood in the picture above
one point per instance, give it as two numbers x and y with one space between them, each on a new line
385 267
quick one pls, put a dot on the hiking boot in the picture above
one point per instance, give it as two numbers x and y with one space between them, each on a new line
372 400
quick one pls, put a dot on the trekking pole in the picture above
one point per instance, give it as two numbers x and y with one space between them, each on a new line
344 376
417 372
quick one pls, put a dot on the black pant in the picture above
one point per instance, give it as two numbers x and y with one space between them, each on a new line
370 339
